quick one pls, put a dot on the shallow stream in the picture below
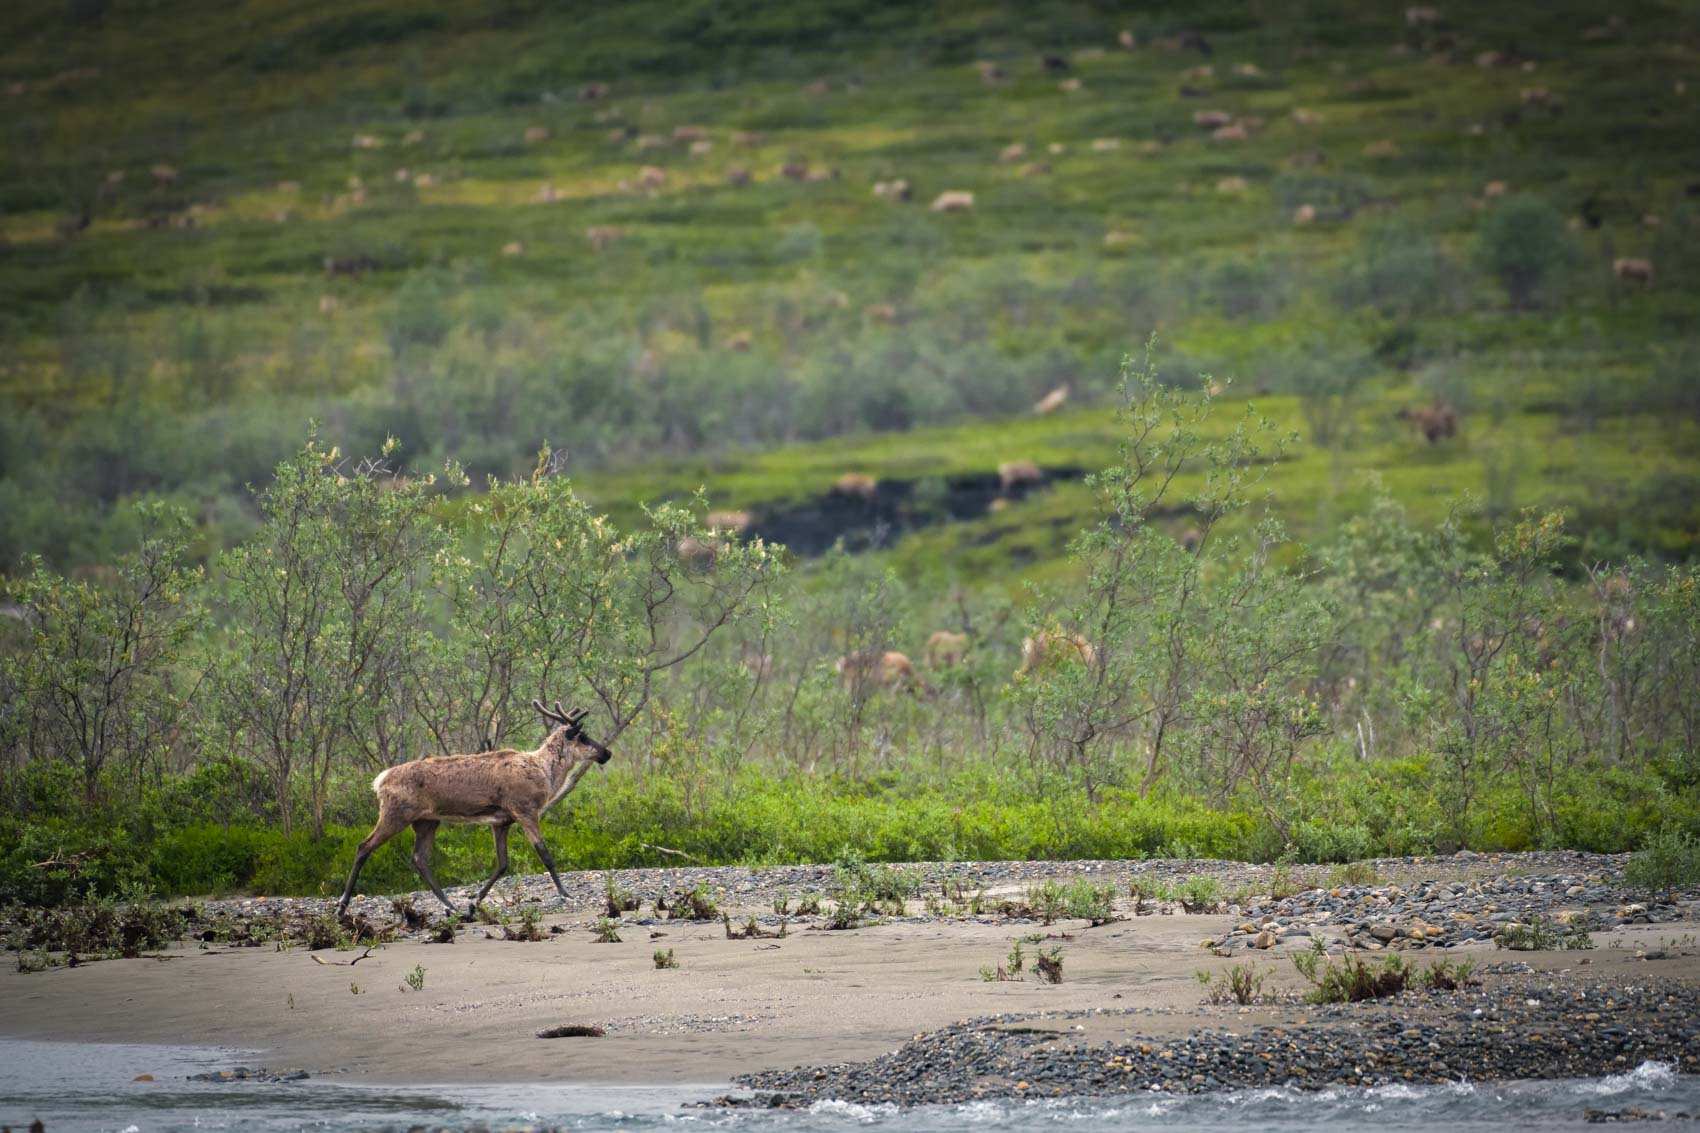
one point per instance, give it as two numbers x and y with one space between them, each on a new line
88 1087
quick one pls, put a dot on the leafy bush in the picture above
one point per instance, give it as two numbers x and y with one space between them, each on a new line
1090 901
1668 861
1199 894
1403 272
1523 242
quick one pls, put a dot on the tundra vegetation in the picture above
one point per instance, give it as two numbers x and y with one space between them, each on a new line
1278 603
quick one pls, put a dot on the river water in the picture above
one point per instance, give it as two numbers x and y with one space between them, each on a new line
89 1087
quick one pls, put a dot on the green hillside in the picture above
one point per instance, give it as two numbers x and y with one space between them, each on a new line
380 216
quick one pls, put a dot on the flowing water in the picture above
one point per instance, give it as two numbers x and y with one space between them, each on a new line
87 1087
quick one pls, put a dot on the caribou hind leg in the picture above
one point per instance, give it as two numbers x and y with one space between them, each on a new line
501 831
388 827
424 836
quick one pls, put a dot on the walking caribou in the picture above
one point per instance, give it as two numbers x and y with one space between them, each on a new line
500 788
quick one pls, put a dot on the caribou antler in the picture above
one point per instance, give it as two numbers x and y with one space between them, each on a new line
560 715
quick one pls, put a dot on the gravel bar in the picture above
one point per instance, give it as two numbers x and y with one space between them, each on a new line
1516 1029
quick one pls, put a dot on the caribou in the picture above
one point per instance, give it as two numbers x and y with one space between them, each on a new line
497 788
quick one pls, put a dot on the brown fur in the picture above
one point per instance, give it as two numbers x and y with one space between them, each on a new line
856 484
945 649
1016 476
1052 648
867 669
1629 268
1438 422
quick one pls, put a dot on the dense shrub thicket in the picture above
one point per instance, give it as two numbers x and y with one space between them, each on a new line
1396 690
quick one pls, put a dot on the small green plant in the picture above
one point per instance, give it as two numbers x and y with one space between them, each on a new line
1146 891
442 930
1243 985
1286 880
290 1001
616 900
1045 901
748 930
607 930
355 989
883 890
530 926
1017 959
782 905
1541 935
414 979
664 959
694 904
808 905
1352 980
1446 975
1049 965
1199 894
1668 861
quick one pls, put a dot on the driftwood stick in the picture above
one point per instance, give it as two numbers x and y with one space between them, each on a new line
665 850
343 963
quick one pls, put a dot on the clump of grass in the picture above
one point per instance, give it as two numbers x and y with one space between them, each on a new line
1352 980
782 905
443 930
808 905
416 978
1049 965
1243 985
607 930
1668 861
1091 901
1353 873
664 959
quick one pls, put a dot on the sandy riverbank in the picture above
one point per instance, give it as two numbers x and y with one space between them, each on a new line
731 1007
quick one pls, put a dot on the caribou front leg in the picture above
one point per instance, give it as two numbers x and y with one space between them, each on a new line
534 835
501 831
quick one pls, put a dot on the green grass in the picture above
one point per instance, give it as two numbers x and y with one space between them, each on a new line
195 356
